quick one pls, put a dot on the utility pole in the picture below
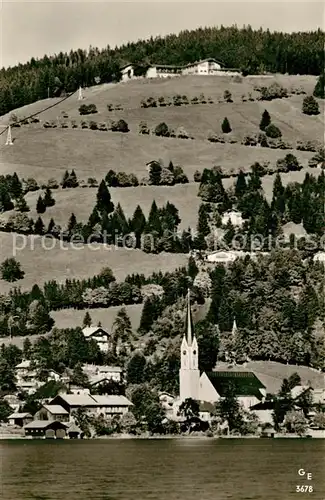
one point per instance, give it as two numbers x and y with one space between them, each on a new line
9 138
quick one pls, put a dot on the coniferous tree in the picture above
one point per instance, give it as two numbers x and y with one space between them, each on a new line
104 199
241 187
155 170
225 126
21 205
203 222
310 106
39 226
319 90
265 121
40 206
48 198
87 320
65 179
192 269
15 187
5 200
217 290
50 226
138 224
72 223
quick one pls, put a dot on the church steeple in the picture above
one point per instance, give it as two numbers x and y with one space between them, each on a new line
189 321
234 329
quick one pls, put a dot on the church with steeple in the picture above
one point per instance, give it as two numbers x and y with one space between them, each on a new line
210 387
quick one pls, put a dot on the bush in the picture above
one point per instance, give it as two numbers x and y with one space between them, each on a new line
87 110
310 106
182 134
202 99
227 96
225 126
197 176
92 182
120 126
143 128
262 140
102 126
30 185
274 91
162 130
177 100
84 124
10 270
194 100
74 124
166 177
161 101
93 125
272 131
250 140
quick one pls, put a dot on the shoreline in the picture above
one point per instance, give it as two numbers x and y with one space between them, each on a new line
9 437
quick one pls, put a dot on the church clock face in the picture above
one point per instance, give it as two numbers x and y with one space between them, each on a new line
194 352
184 352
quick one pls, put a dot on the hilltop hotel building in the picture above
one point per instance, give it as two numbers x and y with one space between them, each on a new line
208 66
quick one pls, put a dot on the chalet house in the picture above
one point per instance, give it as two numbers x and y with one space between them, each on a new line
105 405
52 412
205 67
101 336
26 377
127 72
46 429
20 419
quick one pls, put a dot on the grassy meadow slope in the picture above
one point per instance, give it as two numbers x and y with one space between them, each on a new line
67 261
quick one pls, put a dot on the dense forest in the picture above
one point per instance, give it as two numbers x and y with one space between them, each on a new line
253 51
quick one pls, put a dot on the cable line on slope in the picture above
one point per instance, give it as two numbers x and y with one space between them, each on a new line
43 110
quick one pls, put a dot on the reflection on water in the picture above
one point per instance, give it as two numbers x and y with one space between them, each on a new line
175 469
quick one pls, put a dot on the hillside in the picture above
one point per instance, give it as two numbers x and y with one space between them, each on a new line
42 154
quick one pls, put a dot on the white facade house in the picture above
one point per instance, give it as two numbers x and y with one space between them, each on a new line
101 336
27 377
163 71
105 405
98 374
319 257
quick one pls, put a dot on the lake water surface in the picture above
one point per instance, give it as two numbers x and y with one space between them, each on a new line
162 469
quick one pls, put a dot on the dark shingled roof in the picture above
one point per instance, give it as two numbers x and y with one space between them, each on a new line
244 383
